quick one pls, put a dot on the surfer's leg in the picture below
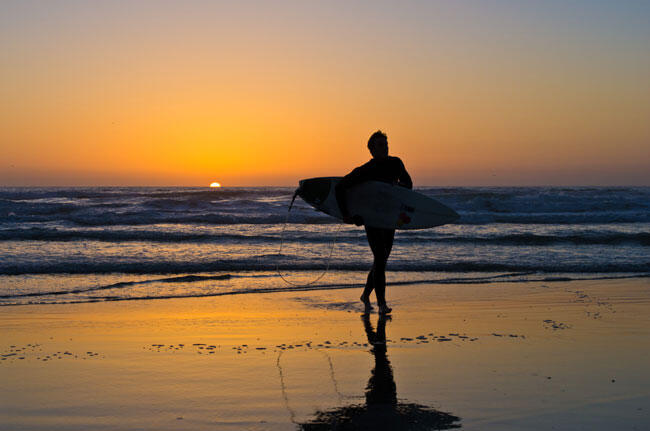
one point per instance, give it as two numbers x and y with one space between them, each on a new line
374 240
370 285
365 296
380 246
389 237
380 285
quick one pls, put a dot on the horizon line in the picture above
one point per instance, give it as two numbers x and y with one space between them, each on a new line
295 185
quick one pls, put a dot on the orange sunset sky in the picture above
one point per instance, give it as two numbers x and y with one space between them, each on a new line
265 93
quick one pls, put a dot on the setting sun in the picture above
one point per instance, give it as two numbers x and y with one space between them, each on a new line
215 184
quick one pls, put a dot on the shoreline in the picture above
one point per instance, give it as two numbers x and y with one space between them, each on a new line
516 277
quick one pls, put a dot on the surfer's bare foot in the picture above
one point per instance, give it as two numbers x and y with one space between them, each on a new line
384 309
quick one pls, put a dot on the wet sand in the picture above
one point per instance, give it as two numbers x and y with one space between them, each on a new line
502 356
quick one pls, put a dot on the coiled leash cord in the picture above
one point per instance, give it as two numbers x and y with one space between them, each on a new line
329 257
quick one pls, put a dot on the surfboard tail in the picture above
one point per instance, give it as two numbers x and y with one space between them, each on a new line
314 191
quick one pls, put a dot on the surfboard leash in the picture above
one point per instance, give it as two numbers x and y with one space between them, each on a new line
329 257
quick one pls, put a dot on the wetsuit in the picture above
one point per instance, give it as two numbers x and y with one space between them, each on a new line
388 170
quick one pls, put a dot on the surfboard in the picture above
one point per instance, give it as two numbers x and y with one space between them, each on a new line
379 204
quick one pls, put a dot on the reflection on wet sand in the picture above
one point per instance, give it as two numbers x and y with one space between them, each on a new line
382 410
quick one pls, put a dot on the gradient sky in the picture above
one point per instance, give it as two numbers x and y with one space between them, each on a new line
265 93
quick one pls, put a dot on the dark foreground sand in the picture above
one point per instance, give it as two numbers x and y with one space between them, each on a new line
534 356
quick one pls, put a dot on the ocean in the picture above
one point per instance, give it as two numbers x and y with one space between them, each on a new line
67 245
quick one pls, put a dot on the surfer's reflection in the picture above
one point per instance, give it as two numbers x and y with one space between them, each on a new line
381 387
382 410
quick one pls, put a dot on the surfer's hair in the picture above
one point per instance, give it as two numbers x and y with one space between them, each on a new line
377 138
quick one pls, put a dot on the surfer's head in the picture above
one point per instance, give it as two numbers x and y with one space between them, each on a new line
378 145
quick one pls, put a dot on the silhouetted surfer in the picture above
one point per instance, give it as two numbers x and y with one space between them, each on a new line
385 168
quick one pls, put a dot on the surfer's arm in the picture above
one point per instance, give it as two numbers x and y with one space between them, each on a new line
341 189
340 200
404 177
354 177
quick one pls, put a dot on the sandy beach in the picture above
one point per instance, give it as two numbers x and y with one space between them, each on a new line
501 356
